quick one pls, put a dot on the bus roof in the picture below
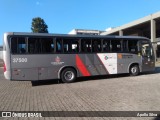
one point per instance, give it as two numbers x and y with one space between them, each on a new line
72 35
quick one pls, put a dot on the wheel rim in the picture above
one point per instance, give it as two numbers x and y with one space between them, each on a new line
134 70
69 75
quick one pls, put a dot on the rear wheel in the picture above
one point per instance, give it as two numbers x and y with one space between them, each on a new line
134 70
68 75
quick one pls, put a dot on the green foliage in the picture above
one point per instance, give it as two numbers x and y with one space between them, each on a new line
39 26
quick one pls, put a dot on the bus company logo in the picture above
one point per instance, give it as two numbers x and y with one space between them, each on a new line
106 57
57 61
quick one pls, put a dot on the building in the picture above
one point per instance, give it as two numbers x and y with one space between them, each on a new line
148 26
85 32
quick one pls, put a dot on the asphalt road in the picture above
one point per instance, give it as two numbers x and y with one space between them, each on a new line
105 93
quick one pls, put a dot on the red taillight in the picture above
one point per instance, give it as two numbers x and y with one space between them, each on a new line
4 68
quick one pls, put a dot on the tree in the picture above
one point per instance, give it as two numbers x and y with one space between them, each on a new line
39 26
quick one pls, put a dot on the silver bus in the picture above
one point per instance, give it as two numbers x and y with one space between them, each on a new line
40 56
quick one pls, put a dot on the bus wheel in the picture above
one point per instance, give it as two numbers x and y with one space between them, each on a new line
134 70
68 75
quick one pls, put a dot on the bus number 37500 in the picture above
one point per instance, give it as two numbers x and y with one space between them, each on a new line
19 60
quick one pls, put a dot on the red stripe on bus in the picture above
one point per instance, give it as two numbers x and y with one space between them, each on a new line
81 66
4 67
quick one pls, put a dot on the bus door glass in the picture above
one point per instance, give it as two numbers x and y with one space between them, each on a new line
147 55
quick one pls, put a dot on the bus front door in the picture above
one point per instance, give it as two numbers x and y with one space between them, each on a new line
148 61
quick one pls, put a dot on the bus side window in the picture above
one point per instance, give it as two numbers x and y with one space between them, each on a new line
75 46
58 45
106 45
14 45
133 46
31 48
116 45
47 45
125 46
52 47
83 46
70 45
96 45
66 45
31 45
86 45
18 45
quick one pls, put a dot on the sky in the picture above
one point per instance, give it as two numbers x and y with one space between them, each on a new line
62 16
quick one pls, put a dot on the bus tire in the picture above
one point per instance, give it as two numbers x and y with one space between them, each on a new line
134 70
68 75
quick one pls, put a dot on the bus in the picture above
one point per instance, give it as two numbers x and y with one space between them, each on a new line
41 56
